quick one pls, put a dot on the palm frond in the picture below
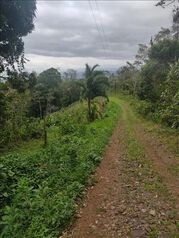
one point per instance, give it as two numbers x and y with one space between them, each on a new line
94 67
87 71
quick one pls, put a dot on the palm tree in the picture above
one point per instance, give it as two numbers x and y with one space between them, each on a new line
94 85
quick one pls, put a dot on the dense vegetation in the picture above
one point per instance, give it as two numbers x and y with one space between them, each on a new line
154 79
39 188
25 101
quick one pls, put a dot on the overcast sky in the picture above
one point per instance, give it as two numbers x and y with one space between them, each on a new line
69 34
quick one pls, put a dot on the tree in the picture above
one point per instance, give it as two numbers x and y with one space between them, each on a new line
43 96
32 81
166 51
153 75
70 92
142 54
128 78
50 78
175 27
16 21
164 3
70 74
18 81
94 85
164 33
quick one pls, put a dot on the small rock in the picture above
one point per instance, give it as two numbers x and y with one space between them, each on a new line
144 210
152 212
78 215
121 208
93 227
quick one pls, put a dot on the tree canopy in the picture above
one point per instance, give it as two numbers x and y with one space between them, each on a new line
16 21
50 78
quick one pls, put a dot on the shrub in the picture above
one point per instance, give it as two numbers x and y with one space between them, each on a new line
32 129
145 108
170 98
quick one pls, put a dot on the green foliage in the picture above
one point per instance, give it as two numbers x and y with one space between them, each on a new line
16 125
70 92
3 109
170 98
25 96
153 75
31 128
50 78
144 108
127 79
165 51
52 93
158 84
68 120
16 21
94 85
39 189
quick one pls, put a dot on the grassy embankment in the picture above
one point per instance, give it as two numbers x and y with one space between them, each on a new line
40 186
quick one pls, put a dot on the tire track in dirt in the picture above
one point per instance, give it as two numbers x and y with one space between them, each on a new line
156 152
162 159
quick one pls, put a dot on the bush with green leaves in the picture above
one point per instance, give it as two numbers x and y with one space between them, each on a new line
145 108
32 128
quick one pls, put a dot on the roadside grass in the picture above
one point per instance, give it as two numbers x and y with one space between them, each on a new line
40 186
169 136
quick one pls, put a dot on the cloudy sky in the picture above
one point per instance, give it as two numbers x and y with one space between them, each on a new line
69 34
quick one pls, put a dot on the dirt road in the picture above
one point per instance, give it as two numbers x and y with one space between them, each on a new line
134 193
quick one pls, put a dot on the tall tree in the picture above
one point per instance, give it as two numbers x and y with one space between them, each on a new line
94 85
70 74
50 78
164 33
44 97
16 21
142 54
175 27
